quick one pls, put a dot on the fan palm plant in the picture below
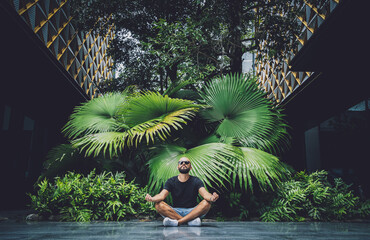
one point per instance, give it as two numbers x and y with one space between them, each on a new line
247 130
244 131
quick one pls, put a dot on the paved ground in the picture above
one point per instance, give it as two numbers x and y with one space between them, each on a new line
209 230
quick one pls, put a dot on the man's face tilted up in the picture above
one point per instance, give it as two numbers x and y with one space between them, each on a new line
184 165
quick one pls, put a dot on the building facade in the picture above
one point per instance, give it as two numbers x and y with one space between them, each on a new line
324 87
281 82
48 67
82 54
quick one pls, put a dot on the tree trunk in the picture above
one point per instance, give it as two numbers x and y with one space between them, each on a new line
236 53
161 79
172 72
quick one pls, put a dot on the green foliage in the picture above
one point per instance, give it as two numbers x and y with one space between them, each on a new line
64 158
162 41
220 217
242 111
229 142
105 196
242 126
236 205
235 202
251 163
313 197
61 159
182 49
97 116
209 163
108 124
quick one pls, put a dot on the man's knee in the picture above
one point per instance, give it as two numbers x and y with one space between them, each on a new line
205 204
160 205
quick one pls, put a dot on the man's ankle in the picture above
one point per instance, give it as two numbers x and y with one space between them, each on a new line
181 221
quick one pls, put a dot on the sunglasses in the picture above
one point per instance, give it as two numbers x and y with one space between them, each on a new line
182 162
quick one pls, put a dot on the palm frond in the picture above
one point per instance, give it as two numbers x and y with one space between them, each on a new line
111 143
95 116
160 126
186 94
210 162
152 115
148 116
277 141
175 87
60 159
243 112
265 168
152 105
60 154
216 139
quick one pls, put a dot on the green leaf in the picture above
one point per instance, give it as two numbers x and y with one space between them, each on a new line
210 162
111 143
97 127
97 115
244 113
264 167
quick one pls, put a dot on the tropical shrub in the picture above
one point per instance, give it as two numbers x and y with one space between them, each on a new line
314 197
65 158
81 198
232 133
244 130
236 206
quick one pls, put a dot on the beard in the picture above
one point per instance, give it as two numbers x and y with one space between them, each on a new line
184 170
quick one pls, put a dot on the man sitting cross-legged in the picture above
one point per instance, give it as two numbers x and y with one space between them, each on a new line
184 190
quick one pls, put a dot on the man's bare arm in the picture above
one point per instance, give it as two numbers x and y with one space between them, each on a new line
157 198
207 196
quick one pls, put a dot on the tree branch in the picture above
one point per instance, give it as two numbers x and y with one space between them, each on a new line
251 48
207 56
257 5
249 39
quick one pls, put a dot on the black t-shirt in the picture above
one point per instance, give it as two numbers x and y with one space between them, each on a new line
184 194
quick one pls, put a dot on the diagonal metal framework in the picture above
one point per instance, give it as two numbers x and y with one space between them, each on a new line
83 55
275 78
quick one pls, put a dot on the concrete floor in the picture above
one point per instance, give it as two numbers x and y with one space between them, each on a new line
209 230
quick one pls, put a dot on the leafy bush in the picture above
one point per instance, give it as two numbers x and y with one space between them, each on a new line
105 196
230 133
230 206
313 197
